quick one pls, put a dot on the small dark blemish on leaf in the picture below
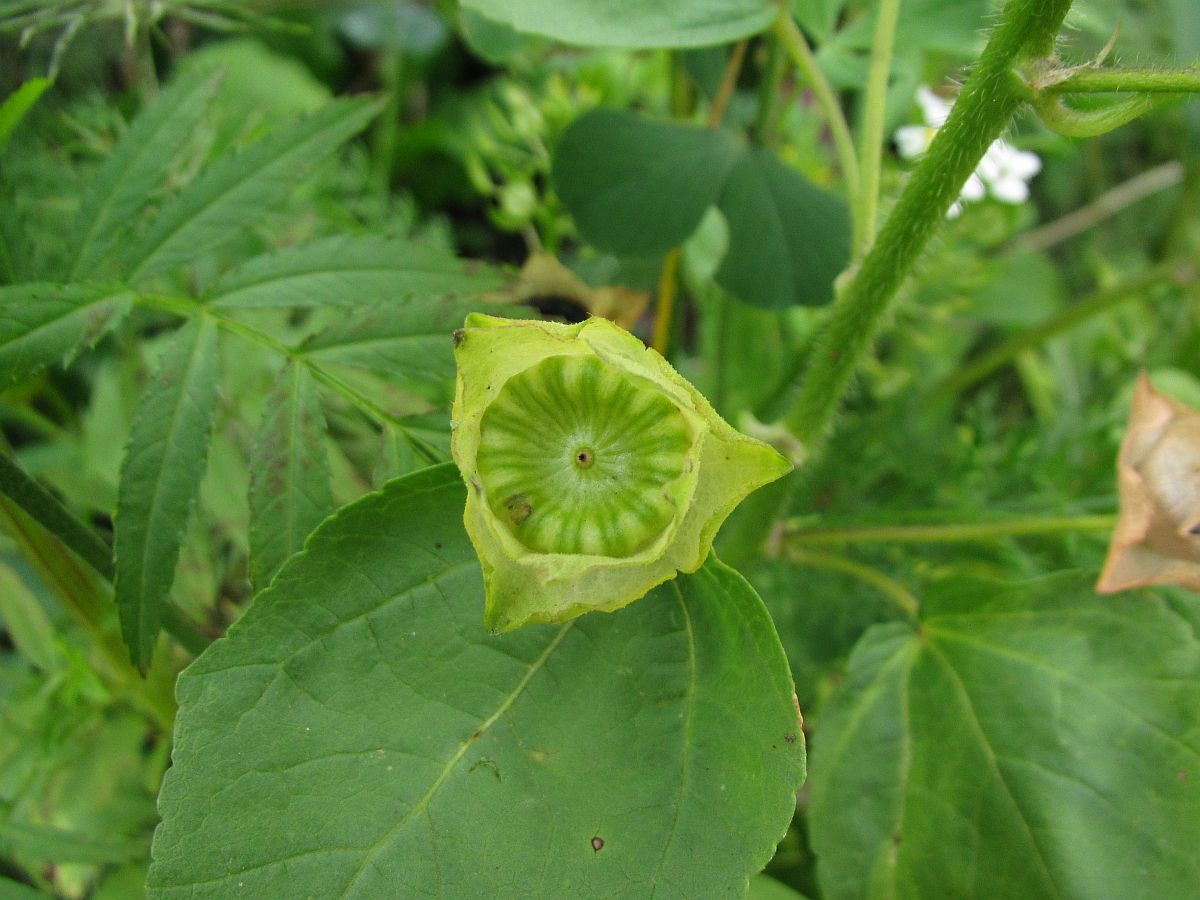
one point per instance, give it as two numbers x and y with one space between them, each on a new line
897 839
1182 775
437 546
459 337
490 765
475 484
597 844
790 738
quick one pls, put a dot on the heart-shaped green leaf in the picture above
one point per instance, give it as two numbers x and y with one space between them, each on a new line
357 734
637 188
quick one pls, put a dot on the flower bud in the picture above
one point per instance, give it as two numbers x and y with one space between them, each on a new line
594 471
1157 538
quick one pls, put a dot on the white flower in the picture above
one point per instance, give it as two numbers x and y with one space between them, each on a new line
1003 173
913 140
1008 171
935 110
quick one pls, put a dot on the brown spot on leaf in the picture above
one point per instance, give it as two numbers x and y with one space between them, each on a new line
597 844
790 738
459 337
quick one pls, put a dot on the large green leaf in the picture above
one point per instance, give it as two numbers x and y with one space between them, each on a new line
405 337
237 189
633 23
1027 741
160 477
348 272
358 734
41 324
637 188
136 168
289 474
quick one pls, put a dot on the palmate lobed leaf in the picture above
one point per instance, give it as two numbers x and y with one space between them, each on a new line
137 167
348 272
289 474
357 734
160 478
1029 741
236 189
405 337
43 324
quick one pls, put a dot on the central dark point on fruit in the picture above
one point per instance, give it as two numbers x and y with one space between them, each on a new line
577 456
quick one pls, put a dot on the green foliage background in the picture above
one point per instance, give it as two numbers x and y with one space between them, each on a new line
234 241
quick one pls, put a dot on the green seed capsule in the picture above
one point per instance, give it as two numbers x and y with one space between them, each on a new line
590 452
596 471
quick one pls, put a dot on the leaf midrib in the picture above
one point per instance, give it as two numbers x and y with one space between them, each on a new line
972 717
463 747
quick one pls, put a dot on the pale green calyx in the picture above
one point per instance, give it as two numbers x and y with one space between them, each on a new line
594 471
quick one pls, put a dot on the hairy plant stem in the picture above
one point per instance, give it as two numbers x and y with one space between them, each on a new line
992 95
870 139
791 38
1140 81
1178 271
990 98
957 532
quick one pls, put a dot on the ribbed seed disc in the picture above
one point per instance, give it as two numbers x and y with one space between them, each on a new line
575 456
